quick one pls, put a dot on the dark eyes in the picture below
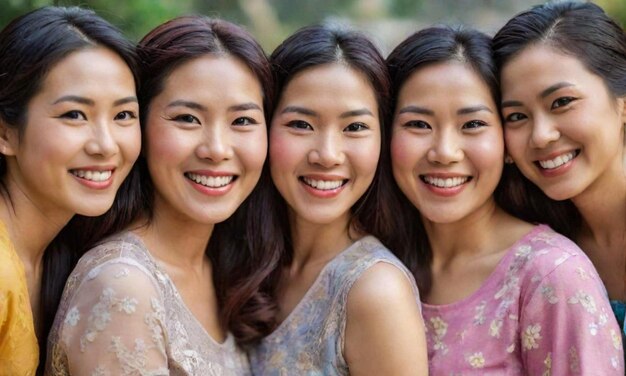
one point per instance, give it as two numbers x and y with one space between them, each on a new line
516 116
74 115
186 118
125 115
356 127
417 124
474 124
299 124
244 120
561 102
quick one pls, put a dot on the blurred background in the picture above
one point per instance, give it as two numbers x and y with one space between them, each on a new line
387 21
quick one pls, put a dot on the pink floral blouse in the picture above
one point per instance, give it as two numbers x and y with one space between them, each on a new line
543 311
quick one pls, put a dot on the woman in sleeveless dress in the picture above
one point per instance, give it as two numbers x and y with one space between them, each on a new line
344 303
157 296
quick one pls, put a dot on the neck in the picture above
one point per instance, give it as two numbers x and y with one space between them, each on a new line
175 239
31 227
602 207
468 237
318 243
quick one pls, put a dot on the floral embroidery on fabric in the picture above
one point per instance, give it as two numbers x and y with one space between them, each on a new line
542 288
121 310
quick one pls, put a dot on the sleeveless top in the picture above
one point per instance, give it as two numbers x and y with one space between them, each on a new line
120 314
19 350
310 340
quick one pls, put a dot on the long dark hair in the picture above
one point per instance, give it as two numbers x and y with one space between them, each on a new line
581 30
244 248
30 46
318 45
431 46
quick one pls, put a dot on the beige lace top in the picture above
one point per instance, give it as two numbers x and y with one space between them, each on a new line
120 314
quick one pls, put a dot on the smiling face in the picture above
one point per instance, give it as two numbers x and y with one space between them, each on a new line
447 147
206 139
81 136
325 142
563 128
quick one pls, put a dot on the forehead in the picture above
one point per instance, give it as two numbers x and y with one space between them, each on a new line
333 84
539 66
445 83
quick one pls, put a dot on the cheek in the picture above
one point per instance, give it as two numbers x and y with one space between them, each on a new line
515 141
130 143
488 153
164 148
252 150
404 154
285 152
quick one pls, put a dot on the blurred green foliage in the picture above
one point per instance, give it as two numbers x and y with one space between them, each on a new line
272 20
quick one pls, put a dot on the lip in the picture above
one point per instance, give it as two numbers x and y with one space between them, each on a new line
557 171
445 191
323 193
207 190
98 185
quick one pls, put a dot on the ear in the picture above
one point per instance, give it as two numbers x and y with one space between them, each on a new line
8 139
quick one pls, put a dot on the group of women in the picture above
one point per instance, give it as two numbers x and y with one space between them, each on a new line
189 206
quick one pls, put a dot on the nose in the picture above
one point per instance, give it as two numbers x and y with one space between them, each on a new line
102 141
446 148
543 133
215 145
328 150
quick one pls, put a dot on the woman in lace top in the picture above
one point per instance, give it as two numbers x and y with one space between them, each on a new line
69 135
569 146
166 292
501 296
345 304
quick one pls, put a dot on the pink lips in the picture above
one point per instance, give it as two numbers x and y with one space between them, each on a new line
94 184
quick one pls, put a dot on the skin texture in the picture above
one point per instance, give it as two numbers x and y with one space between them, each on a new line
326 127
83 117
446 126
207 120
558 107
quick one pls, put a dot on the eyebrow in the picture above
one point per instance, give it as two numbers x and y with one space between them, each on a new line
189 104
554 88
416 110
299 110
471 110
75 99
244 107
360 112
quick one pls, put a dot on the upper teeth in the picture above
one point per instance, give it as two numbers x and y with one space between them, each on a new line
445 183
210 181
558 161
93 175
323 185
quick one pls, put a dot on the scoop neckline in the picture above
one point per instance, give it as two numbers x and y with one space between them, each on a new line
493 279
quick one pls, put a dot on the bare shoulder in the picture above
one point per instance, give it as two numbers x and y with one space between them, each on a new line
380 285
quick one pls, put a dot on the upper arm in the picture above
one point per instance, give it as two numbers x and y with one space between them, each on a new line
566 324
384 327
115 323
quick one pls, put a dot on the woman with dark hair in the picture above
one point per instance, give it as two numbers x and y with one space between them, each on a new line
69 135
186 258
501 296
336 282
563 72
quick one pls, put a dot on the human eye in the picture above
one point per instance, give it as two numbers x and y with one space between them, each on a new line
245 120
562 102
417 124
74 115
126 115
516 116
356 127
474 124
300 125
186 118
